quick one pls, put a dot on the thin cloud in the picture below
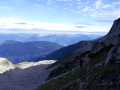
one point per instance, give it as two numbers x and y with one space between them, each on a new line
106 6
32 25
64 0
94 8
100 9
1 26
49 2
84 23
38 5
116 3
98 4
86 9
81 26
5 8
105 21
21 23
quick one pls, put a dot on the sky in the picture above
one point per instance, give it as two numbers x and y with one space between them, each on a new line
58 16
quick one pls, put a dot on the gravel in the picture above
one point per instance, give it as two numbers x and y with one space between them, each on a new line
24 79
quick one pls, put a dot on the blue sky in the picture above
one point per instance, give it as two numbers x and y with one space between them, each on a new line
38 16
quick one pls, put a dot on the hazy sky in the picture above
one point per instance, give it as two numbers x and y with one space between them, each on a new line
36 16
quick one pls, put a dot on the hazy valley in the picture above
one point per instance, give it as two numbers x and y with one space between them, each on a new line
100 70
18 52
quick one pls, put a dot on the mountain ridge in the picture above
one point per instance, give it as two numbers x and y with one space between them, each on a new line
99 72
62 39
60 53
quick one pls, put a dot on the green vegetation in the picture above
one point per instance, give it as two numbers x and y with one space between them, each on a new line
65 68
77 74
103 73
64 58
75 63
96 76
57 83
59 61
101 87
107 48
99 77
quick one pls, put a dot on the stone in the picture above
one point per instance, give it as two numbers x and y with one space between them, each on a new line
109 55
115 27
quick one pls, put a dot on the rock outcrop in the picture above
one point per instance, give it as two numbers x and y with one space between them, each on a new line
112 38
5 65
116 27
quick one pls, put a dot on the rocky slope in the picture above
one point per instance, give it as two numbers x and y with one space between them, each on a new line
23 76
101 70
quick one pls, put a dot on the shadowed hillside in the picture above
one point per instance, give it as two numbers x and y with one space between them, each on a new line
101 70
60 53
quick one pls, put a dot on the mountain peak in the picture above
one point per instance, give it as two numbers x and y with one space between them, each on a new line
115 27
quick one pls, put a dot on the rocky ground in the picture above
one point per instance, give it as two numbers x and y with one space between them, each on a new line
28 78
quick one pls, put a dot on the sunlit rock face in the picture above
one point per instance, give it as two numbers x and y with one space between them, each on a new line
5 65
24 65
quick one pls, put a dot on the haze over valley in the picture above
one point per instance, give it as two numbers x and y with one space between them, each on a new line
59 44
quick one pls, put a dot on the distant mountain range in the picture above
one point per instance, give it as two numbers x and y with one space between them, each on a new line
60 53
63 39
18 52
24 47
